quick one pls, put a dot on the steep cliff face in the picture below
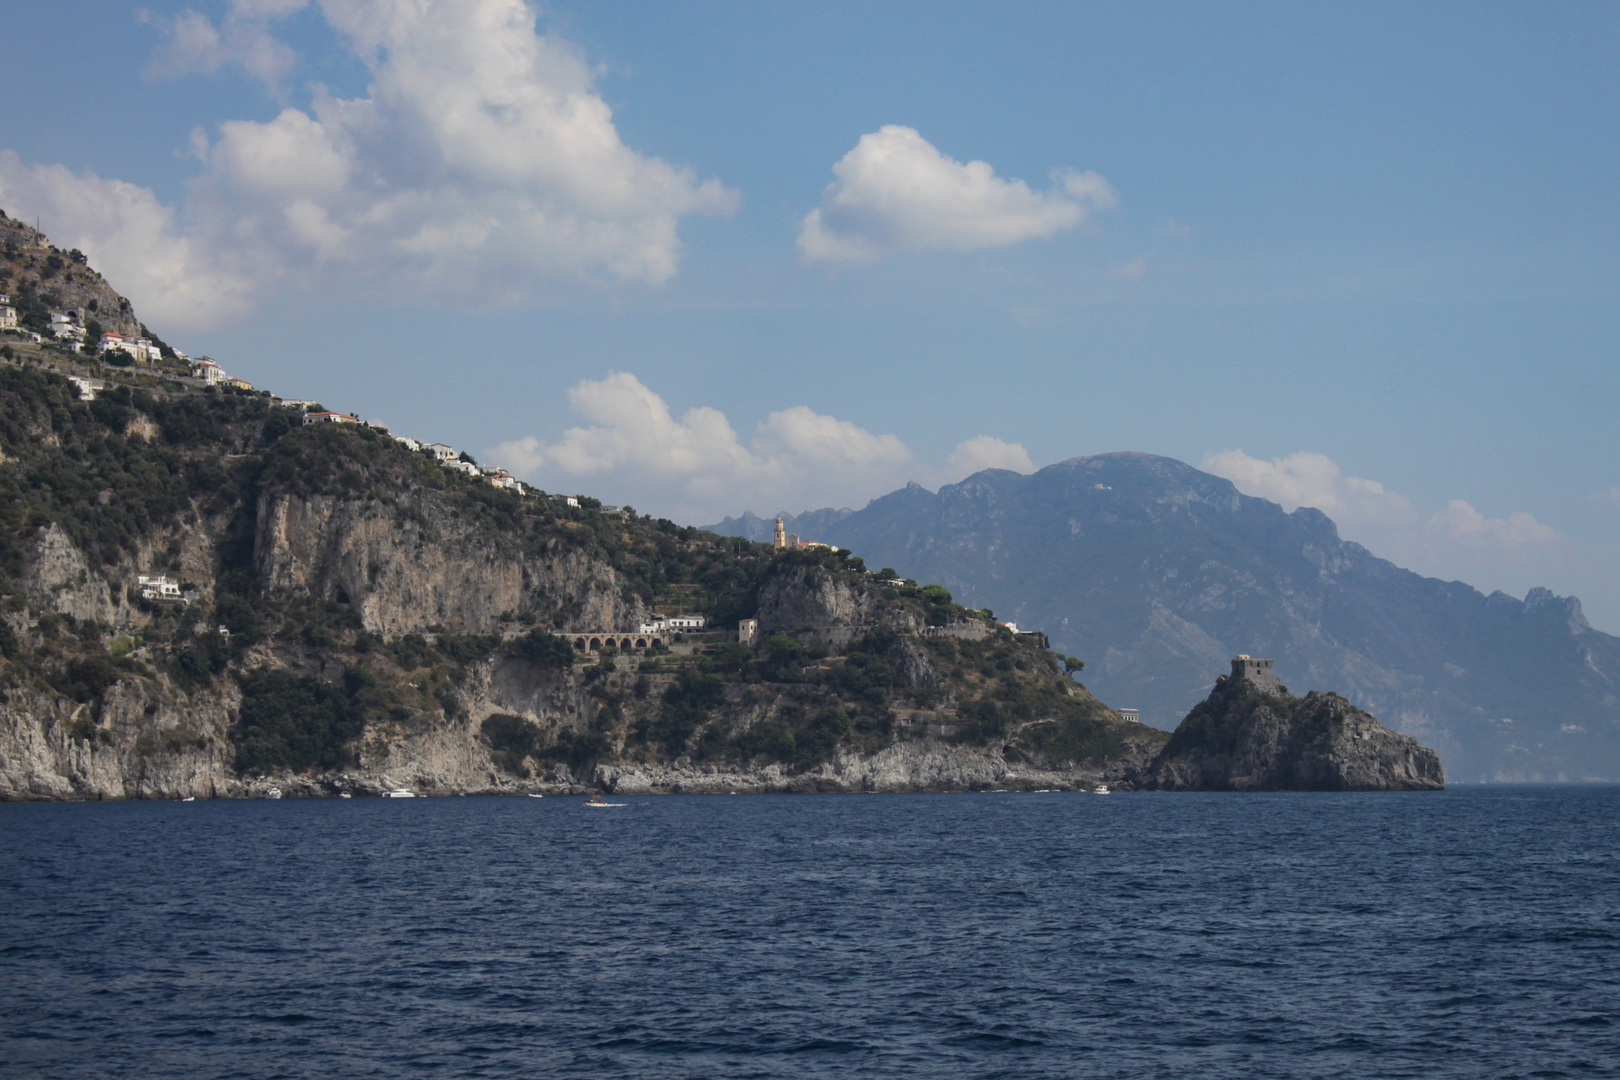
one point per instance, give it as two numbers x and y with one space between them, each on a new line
410 564
1252 735
809 601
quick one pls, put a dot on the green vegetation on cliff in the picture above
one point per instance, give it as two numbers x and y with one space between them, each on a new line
346 597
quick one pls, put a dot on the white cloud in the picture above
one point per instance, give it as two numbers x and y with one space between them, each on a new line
196 46
987 452
695 467
895 192
480 164
1513 552
131 238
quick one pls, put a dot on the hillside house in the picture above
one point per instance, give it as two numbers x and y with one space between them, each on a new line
158 587
408 443
672 624
443 451
466 467
571 500
1133 715
143 351
65 327
506 482
330 418
8 314
87 387
208 371
236 384
298 403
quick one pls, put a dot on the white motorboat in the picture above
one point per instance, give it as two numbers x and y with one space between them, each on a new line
344 795
596 801
273 793
1100 789
189 798
400 793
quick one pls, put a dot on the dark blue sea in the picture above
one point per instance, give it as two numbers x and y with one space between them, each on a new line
1470 933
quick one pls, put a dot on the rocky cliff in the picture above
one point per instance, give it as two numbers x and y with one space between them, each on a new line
1251 734
355 617
1156 573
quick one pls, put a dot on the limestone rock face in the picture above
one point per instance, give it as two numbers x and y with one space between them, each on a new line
1252 735
811 602
916 766
405 569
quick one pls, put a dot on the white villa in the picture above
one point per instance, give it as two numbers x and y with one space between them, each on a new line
158 587
443 451
142 350
407 442
297 403
330 418
87 387
8 314
65 327
1133 715
670 624
506 481
207 370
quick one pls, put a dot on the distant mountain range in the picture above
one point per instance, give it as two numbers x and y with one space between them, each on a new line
1157 574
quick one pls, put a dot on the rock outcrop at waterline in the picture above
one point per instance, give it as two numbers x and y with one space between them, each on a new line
1251 734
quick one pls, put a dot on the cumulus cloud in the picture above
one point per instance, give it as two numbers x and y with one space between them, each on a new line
986 452
130 237
895 192
480 163
196 46
696 467
1457 541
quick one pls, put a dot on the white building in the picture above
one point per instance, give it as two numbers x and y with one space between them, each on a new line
158 587
142 350
407 442
329 418
463 467
204 369
87 387
235 383
672 624
748 631
506 482
297 403
443 451
571 500
1133 715
8 314
65 327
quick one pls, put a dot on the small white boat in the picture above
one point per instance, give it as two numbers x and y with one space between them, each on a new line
273 793
344 795
189 798
596 801
400 793
532 795
1100 789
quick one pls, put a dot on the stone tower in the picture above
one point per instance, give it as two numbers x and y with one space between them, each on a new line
781 534
1257 672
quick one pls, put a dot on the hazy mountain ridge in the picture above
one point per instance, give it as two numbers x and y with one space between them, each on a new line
1157 573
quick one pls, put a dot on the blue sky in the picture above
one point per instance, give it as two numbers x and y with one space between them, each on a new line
1354 256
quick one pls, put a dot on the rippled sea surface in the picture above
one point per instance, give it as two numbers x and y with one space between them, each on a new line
1469 933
